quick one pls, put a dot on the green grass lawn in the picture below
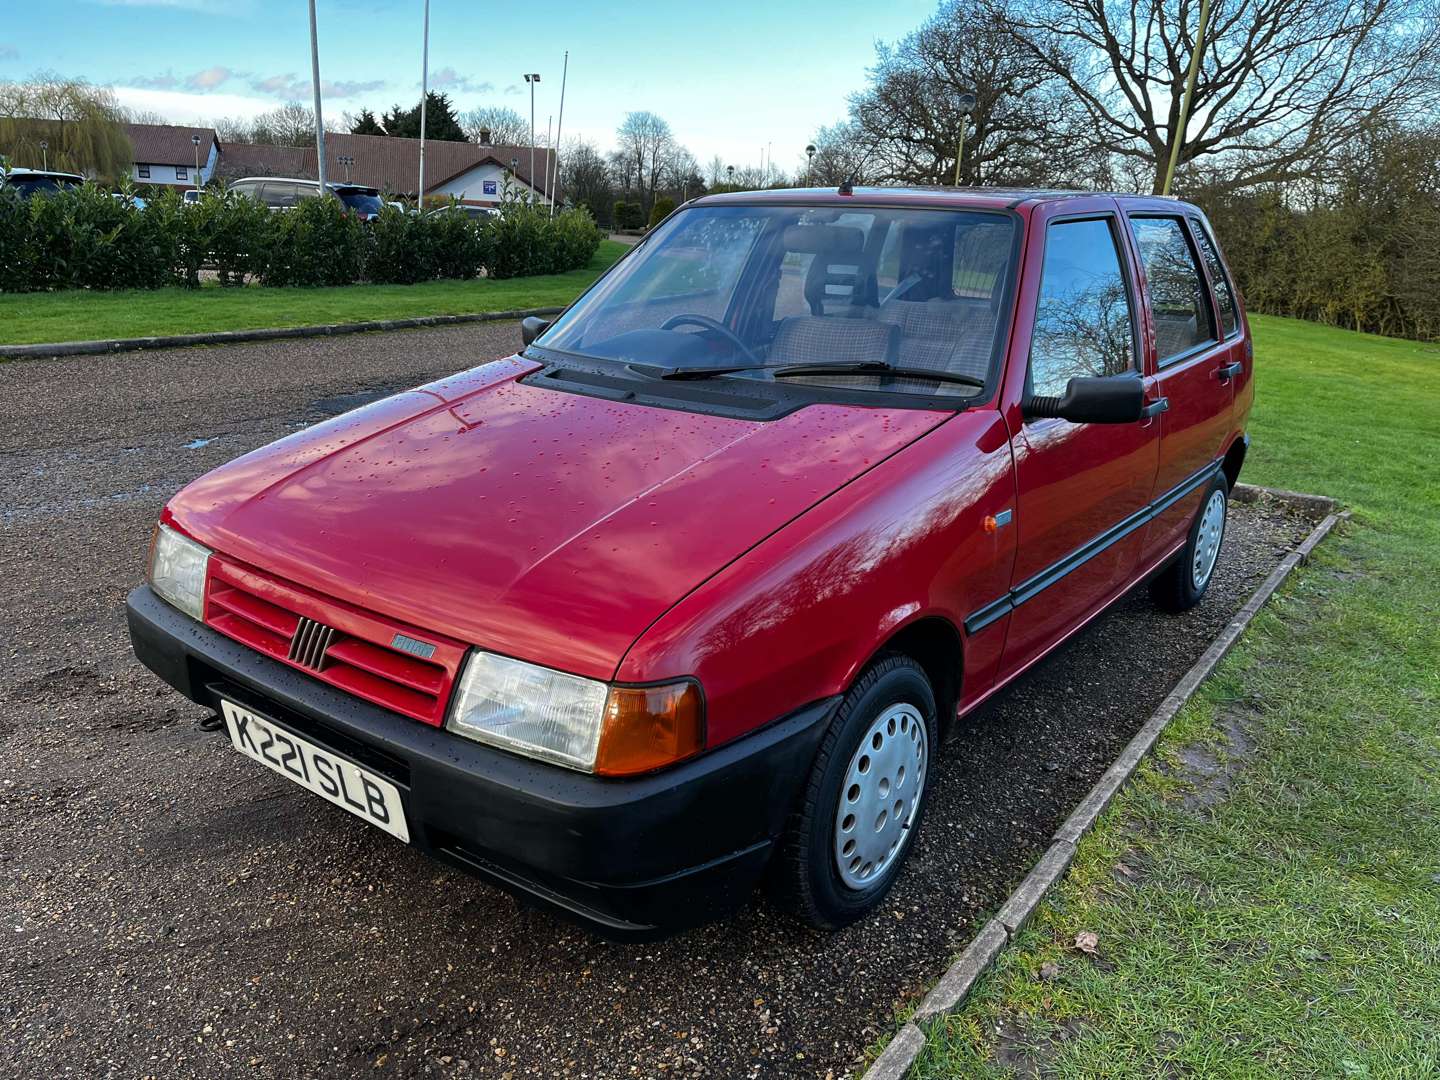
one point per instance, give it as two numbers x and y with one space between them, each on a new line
28 318
1293 927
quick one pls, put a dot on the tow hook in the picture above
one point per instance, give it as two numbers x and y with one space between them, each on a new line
213 722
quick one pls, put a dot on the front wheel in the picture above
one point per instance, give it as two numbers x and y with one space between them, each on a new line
1180 585
864 798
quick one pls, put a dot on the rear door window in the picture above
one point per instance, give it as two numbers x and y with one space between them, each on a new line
1083 322
1224 295
1178 301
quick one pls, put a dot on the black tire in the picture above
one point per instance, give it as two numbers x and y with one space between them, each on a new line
806 878
1176 587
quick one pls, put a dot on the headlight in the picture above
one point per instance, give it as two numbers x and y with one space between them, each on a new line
579 723
177 570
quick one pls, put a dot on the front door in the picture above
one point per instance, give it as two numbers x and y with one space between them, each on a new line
1081 488
1191 364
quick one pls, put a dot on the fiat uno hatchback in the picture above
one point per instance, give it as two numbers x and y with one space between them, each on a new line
684 595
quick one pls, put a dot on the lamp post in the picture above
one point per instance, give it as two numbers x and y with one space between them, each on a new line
532 78
319 120
966 105
195 142
1184 120
45 155
424 95
810 164
347 161
730 172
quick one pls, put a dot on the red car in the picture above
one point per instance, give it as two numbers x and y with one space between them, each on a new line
686 593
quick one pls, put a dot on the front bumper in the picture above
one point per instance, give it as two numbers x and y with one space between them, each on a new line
629 858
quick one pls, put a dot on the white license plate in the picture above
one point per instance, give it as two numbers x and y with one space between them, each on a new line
316 769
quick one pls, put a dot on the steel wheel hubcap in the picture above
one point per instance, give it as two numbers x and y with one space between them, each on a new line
1207 541
880 795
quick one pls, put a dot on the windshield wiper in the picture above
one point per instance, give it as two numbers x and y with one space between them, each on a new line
876 367
844 367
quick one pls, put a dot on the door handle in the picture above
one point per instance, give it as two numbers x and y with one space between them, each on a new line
1229 371
1155 408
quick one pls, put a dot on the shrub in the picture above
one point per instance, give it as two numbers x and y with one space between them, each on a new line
663 208
628 215
400 251
89 239
317 243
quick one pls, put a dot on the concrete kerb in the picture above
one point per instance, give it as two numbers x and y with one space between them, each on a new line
960 978
232 337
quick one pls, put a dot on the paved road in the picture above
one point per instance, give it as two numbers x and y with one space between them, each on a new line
172 909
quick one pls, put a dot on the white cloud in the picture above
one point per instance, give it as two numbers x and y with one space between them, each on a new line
181 107
209 79
448 78
288 87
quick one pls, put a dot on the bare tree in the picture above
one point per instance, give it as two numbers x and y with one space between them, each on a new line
841 155
1280 83
646 140
1025 129
79 123
585 178
506 126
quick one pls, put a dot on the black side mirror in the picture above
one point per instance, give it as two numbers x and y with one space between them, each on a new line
532 327
1101 399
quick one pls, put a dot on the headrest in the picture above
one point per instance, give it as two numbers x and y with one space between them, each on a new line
824 239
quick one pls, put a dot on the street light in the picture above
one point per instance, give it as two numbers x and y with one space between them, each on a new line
966 105
44 155
810 163
532 78
730 172
424 97
319 120
195 142
347 161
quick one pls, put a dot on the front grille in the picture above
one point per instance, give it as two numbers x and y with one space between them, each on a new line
339 644
307 647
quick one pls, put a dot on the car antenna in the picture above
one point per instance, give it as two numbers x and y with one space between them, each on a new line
847 186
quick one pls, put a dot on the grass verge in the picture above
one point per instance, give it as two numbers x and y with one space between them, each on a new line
1287 921
30 318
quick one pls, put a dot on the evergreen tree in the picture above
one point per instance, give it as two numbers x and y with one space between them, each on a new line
366 124
440 121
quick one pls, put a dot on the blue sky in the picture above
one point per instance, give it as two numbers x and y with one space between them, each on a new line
730 77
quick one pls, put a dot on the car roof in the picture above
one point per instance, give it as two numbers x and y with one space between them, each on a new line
334 185
43 173
984 198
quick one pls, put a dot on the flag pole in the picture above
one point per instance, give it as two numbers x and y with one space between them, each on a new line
559 124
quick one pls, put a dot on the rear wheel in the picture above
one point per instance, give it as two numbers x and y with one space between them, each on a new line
1180 585
864 798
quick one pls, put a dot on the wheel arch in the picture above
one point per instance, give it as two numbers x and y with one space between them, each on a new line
1234 459
936 644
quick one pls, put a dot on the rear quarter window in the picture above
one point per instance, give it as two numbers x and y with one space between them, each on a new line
1224 294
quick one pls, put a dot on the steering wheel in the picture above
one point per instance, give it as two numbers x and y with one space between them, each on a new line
709 324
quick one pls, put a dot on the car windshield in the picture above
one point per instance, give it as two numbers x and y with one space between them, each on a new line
762 288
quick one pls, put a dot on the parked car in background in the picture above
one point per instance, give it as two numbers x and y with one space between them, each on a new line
685 595
284 193
30 182
192 196
475 213
138 202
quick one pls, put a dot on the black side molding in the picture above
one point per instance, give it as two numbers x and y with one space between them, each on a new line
1037 583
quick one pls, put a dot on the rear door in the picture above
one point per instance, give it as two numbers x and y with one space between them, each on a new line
1082 489
1191 361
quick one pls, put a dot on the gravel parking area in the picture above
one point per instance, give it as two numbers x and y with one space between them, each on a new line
174 910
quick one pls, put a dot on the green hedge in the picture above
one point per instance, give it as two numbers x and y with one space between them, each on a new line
89 239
